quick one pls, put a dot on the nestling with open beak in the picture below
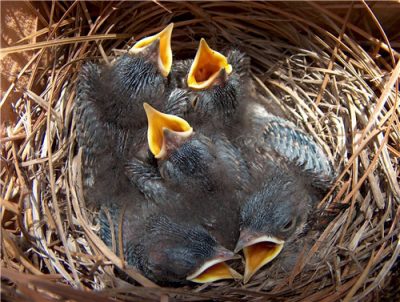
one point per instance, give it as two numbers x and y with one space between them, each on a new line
116 93
186 159
139 76
296 172
273 217
107 114
159 242
208 174
218 86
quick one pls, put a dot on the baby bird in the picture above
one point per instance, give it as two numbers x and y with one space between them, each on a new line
116 93
159 241
137 77
296 172
187 159
273 217
216 88
191 166
219 95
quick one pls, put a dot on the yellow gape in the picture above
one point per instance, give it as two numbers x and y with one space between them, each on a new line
164 51
206 67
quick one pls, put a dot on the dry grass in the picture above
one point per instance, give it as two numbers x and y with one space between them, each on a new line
329 66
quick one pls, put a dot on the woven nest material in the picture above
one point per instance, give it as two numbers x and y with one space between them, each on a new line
328 66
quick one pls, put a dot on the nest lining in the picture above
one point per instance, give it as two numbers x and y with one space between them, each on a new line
317 74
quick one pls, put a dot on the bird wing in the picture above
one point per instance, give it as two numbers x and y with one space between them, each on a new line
231 162
292 147
148 180
300 150
93 134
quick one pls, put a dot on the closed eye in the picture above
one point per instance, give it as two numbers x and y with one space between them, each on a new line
194 102
289 225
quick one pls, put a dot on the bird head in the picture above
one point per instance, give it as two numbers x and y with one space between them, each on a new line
190 163
156 48
218 84
271 218
165 131
179 252
183 156
206 67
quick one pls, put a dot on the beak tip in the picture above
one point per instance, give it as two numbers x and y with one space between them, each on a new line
237 249
229 69
247 276
203 44
236 275
241 243
146 107
207 67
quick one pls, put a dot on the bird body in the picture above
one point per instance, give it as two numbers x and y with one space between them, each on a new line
163 244
263 137
273 217
103 171
233 176
130 81
216 87
290 171
207 174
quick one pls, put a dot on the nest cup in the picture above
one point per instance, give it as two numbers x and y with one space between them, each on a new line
329 67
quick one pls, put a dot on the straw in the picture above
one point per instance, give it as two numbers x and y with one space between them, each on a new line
333 73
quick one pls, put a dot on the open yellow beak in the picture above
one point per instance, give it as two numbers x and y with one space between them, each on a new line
258 252
164 50
157 123
214 270
206 67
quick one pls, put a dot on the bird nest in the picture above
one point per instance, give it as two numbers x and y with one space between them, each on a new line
329 67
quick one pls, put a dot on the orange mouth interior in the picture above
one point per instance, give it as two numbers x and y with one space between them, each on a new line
157 121
165 51
206 67
258 255
216 272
